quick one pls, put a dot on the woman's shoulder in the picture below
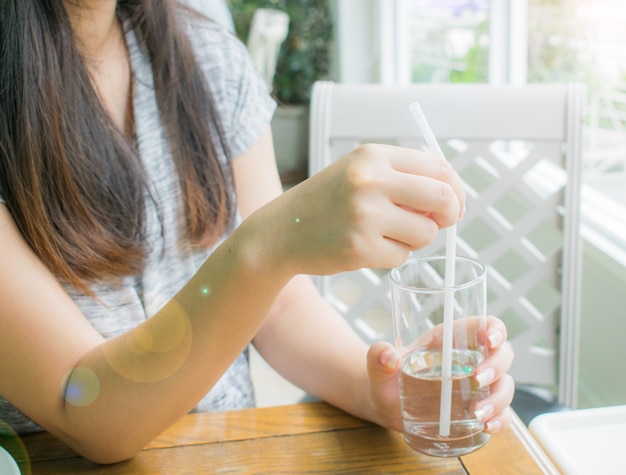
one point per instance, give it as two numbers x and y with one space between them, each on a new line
240 93
223 58
212 42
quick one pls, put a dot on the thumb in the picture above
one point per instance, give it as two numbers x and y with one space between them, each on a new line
382 366
382 362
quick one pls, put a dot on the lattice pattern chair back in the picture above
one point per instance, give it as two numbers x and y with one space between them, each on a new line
518 151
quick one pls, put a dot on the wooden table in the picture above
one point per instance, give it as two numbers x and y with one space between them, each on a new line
303 438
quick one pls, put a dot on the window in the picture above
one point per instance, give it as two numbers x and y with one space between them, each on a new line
447 41
517 41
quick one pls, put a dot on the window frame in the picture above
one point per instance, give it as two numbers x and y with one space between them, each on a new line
508 64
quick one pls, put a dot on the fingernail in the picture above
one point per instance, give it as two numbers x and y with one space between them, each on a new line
484 412
496 338
389 359
485 377
493 425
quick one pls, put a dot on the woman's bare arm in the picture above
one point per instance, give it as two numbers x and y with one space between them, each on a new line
139 383
125 391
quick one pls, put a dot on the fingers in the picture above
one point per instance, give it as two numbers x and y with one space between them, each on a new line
420 182
495 366
412 229
444 189
369 209
382 368
497 363
420 163
491 334
382 362
427 196
492 372
496 332
494 410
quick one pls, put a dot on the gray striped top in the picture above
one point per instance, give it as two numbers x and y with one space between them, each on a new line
245 109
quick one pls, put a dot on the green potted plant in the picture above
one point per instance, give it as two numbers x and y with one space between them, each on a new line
303 59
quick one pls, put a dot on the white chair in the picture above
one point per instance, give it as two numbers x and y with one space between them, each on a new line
518 151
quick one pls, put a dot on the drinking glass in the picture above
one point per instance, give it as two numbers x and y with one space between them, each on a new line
440 335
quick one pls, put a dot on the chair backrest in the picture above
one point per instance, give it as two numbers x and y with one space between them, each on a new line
518 150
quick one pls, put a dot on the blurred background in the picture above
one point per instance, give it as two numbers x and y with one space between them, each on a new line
486 41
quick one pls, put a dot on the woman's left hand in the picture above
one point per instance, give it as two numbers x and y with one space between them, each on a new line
383 365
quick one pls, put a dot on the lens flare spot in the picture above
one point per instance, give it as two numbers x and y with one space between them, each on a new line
297 220
171 336
154 351
81 387
205 291
139 341
14 446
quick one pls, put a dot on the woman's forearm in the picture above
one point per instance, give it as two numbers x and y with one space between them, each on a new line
151 376
312 345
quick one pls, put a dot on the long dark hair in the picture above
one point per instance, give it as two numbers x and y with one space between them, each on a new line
73 181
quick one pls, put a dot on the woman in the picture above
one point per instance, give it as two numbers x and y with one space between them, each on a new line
146 242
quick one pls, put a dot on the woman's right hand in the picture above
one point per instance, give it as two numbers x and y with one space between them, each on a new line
368 209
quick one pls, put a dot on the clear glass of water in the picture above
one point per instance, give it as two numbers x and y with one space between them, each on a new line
438 389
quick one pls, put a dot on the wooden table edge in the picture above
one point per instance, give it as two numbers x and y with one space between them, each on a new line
339 420
192 429
533 447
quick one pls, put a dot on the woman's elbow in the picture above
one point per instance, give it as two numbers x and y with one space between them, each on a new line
108 455
104 450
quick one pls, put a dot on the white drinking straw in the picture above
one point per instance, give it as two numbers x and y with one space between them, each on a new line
448 307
